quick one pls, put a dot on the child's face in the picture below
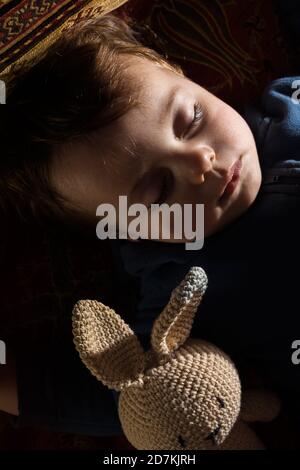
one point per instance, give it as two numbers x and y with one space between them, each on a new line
152 154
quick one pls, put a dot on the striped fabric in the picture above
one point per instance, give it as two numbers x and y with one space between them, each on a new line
29 27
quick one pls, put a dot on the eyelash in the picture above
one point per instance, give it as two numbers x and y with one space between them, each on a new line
167 184
198 115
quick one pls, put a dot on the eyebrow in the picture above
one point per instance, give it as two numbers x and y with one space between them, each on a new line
167 106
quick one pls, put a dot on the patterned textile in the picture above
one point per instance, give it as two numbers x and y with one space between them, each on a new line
29 27
232 48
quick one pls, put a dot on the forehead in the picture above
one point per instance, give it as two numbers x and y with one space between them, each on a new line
156 87
145 71
151 81
138 131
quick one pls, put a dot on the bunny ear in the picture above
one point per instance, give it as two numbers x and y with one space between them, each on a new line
174 324
106 344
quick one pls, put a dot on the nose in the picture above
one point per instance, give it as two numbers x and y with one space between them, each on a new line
194 162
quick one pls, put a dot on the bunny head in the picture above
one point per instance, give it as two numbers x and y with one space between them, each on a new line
181 394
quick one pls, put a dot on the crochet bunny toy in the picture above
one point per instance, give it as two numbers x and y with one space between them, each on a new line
181 394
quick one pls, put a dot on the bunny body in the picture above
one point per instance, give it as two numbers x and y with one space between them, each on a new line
180 403
183 393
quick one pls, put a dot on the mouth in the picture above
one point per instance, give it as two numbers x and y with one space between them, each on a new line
231 181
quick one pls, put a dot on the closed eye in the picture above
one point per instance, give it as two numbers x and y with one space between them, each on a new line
198 115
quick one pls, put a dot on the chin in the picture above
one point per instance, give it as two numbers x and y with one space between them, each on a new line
245 199
251 189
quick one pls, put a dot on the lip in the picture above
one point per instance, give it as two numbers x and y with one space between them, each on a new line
231 181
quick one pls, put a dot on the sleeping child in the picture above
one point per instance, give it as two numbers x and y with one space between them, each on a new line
101 116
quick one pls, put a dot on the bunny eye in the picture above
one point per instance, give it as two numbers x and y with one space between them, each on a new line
221 402
181 441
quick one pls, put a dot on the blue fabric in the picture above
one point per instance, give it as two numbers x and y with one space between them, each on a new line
251 308
276 123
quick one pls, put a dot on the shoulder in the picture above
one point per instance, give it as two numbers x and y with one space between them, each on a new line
275 122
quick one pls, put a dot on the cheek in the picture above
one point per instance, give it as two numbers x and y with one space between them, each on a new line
231 130
212 217
78 180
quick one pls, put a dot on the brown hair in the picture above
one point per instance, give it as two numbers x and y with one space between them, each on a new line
75 89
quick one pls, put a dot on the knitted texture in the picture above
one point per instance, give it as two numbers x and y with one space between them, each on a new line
190 402
175 322
184 393
106 343
259 405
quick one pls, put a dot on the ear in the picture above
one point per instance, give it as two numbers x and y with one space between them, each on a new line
174 324
106 344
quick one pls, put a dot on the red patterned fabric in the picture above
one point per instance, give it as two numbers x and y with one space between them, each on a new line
20 22
28 27
232 48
